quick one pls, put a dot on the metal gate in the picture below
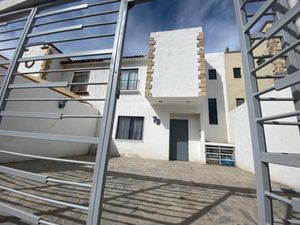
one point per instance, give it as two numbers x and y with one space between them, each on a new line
284 28
30 25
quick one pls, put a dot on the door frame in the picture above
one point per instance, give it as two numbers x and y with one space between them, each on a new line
188 155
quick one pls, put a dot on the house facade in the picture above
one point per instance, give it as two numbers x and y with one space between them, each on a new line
172 102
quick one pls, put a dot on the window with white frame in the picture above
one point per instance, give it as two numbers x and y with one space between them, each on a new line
129 79
130 128
80 77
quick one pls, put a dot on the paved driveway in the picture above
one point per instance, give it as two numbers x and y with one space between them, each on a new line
144 192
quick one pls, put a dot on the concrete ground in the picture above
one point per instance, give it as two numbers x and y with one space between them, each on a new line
144 192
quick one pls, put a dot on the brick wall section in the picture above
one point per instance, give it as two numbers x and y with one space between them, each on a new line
150 70
274 47
201 64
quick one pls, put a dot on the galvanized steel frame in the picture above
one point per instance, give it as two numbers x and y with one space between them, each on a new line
262 158
112 93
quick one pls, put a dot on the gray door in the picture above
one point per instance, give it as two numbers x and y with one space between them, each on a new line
179 148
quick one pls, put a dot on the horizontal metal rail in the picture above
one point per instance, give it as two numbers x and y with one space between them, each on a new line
15 12
40 115
279 116
261 12
277 26
278 198
76 18
39 177
55 31
37 115
278 55
50 137
264 91
287 81
57 202
282 123
273 99
284 20
38 85
12 30
76 38
67 55
63 10
61 70
270 77
285 159
285 191
26 175
28 217
52 85
13 21
4 62
287 221
10 39
48 158
54 99
7 49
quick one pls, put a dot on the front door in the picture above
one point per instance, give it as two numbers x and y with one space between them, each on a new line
179 148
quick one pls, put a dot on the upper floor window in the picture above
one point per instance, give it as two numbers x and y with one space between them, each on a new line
239 101
237 72
130 128
80 77
129 79
212 74
212 111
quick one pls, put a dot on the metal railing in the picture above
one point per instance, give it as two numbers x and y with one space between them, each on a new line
284 28
27 21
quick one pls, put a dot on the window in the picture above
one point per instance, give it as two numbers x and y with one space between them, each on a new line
212 110
129 79
239 101
212 74
130 128
237 72
80 77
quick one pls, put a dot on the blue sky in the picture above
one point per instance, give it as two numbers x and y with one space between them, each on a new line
215 16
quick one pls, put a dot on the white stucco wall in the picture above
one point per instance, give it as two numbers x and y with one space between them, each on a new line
176 63
155 143
215 89
77 127
278 138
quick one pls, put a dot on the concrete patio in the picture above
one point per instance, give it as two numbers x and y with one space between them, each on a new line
145 192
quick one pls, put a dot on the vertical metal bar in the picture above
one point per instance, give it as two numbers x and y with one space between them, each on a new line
264 204
99 178
9 78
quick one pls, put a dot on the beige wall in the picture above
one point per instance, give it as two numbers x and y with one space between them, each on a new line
235 86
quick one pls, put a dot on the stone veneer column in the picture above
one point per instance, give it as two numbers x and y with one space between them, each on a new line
274 47
46 64
201 64
150 70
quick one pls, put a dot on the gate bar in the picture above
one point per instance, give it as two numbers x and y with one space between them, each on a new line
48 158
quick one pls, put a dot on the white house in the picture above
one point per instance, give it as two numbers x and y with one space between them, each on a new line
167 108
171 102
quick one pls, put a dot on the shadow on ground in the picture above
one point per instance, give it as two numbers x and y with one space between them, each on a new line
132 198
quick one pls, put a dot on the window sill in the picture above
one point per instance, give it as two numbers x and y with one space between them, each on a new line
129 92
130 141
